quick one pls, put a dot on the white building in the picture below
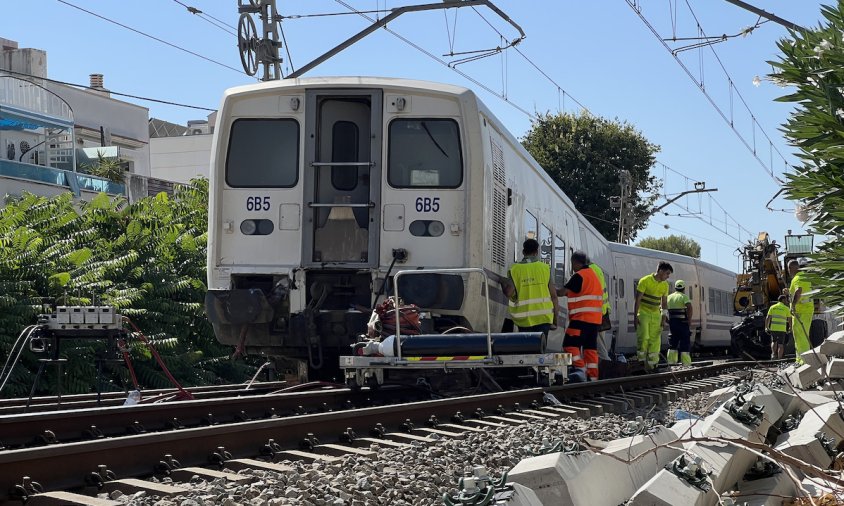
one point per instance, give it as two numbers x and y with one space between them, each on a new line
180 153
50 133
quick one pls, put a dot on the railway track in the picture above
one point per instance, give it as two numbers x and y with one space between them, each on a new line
263 436
105 399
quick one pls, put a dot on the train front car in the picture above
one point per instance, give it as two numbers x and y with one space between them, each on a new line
319 186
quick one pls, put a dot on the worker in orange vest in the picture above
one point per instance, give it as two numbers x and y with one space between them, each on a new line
585 304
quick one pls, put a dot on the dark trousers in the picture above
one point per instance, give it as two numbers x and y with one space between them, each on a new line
681 336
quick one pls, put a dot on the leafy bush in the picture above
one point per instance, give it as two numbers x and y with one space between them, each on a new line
146 259
812 63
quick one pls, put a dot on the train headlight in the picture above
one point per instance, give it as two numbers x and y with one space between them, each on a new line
256 227
426 228
248 227
265 227
436 228
418 228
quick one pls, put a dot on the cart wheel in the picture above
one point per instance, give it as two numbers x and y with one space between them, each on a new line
353 385
372 383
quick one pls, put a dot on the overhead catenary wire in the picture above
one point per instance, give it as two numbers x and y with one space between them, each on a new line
157 39
209 19
441 61
560 89
636 7
712 200
112 92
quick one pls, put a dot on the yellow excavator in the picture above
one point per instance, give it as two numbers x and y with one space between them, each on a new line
764 278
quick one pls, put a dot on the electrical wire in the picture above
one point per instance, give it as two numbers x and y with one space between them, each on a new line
139 32
531 62
637 9
688 179
112 92
209 19
441 62
28 330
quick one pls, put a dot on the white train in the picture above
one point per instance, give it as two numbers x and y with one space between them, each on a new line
321 188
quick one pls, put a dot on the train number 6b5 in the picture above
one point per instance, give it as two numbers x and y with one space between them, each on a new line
257 203
427 204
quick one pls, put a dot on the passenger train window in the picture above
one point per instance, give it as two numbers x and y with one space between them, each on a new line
531 224
344 148
263 153
425 153
545 247
621 288
559 261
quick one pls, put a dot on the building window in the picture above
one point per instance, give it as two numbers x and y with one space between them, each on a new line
263 153
425 153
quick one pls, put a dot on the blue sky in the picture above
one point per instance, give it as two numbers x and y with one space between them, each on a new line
600 52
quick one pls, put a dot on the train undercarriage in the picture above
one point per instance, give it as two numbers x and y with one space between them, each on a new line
256 315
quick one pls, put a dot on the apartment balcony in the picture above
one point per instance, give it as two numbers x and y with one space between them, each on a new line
37 151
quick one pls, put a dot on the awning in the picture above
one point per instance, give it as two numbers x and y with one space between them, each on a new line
14 118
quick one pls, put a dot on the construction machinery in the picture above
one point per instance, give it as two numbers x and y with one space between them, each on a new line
764 278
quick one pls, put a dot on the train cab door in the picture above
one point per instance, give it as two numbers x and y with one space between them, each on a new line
342 174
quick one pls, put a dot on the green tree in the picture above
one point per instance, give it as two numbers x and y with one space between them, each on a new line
672 244
812 66
106 168
584 155
146 259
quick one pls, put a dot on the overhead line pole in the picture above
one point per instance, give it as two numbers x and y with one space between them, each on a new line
767 15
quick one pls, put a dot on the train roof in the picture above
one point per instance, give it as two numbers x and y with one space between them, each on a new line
664 255
351 82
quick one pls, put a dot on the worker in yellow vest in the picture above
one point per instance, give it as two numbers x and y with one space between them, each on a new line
679 324
651 303
603 348
802 308
776 324
533 297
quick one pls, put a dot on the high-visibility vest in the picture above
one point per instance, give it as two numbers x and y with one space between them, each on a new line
652 292
586 305
533 305
600 273
677 306
805 304
779 314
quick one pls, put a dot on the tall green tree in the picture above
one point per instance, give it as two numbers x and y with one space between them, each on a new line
584 155
146 259
811 65
672 244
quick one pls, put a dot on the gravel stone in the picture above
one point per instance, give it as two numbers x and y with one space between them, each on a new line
420 474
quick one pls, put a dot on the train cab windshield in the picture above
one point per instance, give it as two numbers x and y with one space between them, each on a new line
425 153
263 153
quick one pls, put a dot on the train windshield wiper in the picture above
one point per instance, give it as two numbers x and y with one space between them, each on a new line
431 136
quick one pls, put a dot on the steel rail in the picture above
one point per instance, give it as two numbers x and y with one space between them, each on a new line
65 466
37 429
77 401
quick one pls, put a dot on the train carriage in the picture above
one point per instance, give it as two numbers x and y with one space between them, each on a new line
322 188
